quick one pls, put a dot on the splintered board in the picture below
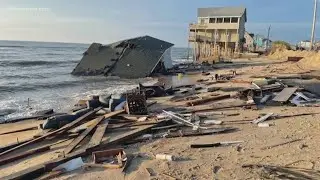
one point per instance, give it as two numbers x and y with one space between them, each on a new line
285 95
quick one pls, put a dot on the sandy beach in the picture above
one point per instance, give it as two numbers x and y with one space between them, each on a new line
260 145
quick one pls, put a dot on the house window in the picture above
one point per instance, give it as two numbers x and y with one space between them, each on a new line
219 20
234 20
212 20
227 20
202 21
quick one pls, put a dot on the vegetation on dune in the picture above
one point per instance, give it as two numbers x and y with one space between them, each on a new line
280 46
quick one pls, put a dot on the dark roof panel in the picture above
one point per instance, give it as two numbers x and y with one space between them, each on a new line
131 58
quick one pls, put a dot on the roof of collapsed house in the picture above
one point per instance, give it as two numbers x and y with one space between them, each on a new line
131 58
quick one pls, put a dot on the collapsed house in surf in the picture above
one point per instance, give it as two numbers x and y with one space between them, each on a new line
132 58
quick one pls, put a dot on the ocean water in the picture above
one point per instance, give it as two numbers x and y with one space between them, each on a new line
40 72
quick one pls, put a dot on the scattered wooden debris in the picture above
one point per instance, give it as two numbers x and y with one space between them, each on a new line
23 155
263 118
98 135
285 95
108 158
206 100
186 133
63 129
76 141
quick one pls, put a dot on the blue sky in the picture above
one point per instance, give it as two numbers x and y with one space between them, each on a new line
106 21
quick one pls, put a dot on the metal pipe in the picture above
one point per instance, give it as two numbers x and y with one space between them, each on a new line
313 24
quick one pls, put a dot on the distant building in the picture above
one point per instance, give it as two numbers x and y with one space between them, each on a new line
219 26
256 42
249 44
304 45
132 58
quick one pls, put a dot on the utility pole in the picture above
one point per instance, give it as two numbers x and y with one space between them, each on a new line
314 23
268 38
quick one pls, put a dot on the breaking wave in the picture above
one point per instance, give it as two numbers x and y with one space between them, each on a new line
56 85
34 63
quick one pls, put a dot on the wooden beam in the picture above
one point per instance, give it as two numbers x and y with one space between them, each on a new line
20 130
75 142
9 146
28 153
206 100
62 129
36 171
97 136
23 155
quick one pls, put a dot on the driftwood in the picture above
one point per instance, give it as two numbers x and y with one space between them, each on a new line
63 129
277 145
206 100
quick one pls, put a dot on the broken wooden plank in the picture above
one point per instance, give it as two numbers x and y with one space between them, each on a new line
10 146
36 171
186 133
206 100
285 95
20 130
23 155
167 127
76 141
51 175
98 135
277 145
262 119
28 153
219 107
63 129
